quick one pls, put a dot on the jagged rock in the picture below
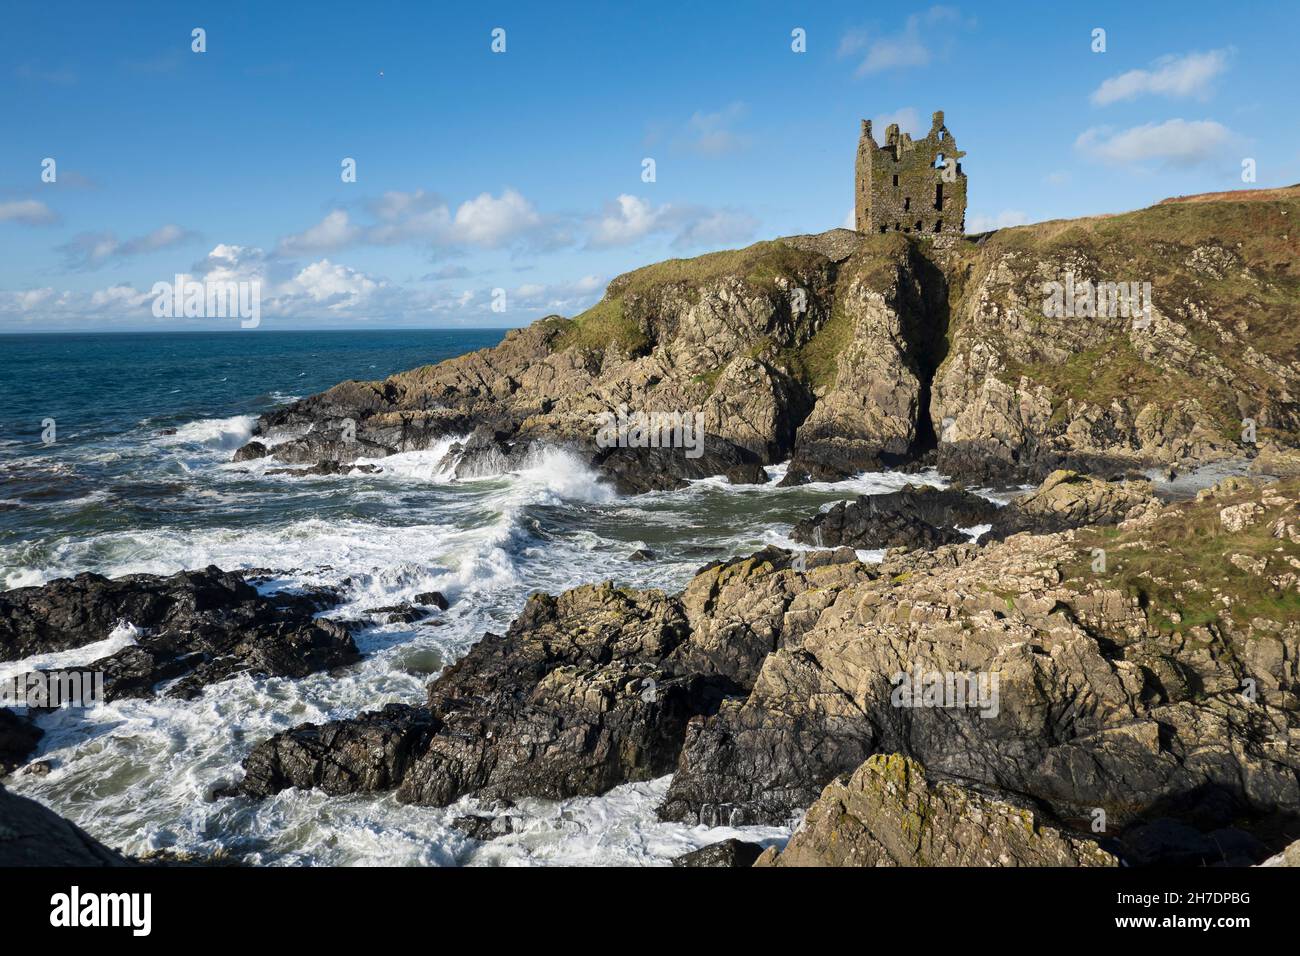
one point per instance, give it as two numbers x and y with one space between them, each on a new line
31 835
749 473
732 853
364 754
641 554
483 828
404 613
251 452
870 522
584 692
573 700
19 736
197 627
887 813
1104 703
432 599
1066 500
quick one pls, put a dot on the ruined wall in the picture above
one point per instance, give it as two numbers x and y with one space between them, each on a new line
901 186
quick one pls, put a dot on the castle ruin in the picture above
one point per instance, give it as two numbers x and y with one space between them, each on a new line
913 186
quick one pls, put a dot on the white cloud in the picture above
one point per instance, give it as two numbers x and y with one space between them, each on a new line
486 221
712 227
911 47
90 250
30 212
337 287
1003 220
626 220
630 219
1176 142
710 134
333 232
1188 75
490 222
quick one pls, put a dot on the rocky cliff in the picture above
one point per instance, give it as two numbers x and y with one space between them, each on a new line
846 352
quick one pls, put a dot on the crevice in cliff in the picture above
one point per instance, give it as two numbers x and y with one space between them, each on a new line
925 326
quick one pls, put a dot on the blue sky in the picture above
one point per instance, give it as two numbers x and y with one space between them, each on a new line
522 170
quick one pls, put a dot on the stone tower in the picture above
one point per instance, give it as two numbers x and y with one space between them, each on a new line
913 186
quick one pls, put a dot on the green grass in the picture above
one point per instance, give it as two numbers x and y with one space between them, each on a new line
601 326
1160 565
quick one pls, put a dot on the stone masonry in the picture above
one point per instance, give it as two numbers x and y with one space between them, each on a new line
913 186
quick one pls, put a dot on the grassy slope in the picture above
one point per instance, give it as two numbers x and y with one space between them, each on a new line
1181 569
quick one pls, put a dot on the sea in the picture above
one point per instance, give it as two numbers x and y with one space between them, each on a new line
115 458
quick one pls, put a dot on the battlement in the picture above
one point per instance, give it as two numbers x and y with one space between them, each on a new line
912 186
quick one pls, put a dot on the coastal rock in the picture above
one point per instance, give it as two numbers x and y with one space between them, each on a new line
845 353
865 524
31 835
251 452
19 736
887 813
733 854
1104 701
483 828
1067 500
193 628
363 754
585 691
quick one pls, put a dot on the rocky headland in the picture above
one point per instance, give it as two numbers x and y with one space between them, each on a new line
1126 663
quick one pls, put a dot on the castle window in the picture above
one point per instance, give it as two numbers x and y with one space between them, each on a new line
884 229
938 196
919 227
895 179
938 226
938 161
907 203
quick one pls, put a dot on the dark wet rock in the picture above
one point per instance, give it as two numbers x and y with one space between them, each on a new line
634 471
19 736
432 599
327 468
197 627
573 700
38 768
725 853
364 754
860 524
251 452
32 835
913 517
641 554
483 828
584 692
404 613
750 473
